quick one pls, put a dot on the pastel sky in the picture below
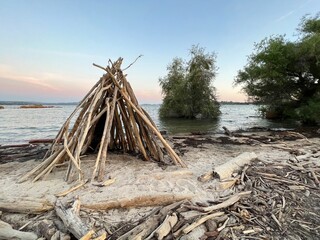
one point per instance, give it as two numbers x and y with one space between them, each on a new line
47 47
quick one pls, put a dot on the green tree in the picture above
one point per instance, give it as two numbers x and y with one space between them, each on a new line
187 87
285 74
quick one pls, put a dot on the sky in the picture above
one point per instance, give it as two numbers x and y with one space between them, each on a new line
47 47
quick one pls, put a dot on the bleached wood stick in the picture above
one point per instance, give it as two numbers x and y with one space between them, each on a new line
200 221
24 205
64 193
60 155
107 136
103 138
7 232
232 200
65 143
140 201
165 228
88 235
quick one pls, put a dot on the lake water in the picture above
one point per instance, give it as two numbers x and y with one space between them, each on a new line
20 125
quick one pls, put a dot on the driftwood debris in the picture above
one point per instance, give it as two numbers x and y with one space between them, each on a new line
171 221
225 170
25 205
71 220
268 199
108 118
140 201
148 227
22 152
7 232
165 228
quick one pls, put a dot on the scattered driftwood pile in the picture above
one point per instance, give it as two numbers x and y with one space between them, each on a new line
263 200
108 118
272 136
22 152
265 138
271 200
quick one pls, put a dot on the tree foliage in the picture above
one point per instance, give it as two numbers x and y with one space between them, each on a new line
285 74
187 87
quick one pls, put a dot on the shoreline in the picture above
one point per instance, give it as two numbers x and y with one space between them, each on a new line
137 178
307 131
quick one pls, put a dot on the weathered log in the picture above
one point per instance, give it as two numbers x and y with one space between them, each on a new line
7 232
37 141
25 205
140 201
225 170
72 221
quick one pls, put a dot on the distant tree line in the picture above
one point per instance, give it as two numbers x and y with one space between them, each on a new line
282 75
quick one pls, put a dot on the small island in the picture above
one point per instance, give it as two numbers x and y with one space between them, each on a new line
35 106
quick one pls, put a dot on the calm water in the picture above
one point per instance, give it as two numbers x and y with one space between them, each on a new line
20 125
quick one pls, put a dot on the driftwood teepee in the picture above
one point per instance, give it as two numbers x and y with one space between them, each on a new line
108 118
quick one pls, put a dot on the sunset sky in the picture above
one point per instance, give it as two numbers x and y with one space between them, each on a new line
47 47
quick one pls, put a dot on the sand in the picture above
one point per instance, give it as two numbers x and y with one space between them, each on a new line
134 177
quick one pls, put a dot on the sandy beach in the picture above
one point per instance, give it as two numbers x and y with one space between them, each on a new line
134 179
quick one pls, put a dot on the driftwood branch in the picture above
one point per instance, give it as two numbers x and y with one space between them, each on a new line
141 201
225 170
133 62
7 232
25 205
71 220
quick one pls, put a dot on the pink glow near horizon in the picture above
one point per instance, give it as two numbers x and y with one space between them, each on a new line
45 86
24 90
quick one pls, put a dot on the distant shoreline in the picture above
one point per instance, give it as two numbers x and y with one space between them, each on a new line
76 103
23 103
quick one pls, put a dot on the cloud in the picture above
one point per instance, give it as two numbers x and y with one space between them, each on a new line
7 72
64 53
292 12
284 16
44 86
